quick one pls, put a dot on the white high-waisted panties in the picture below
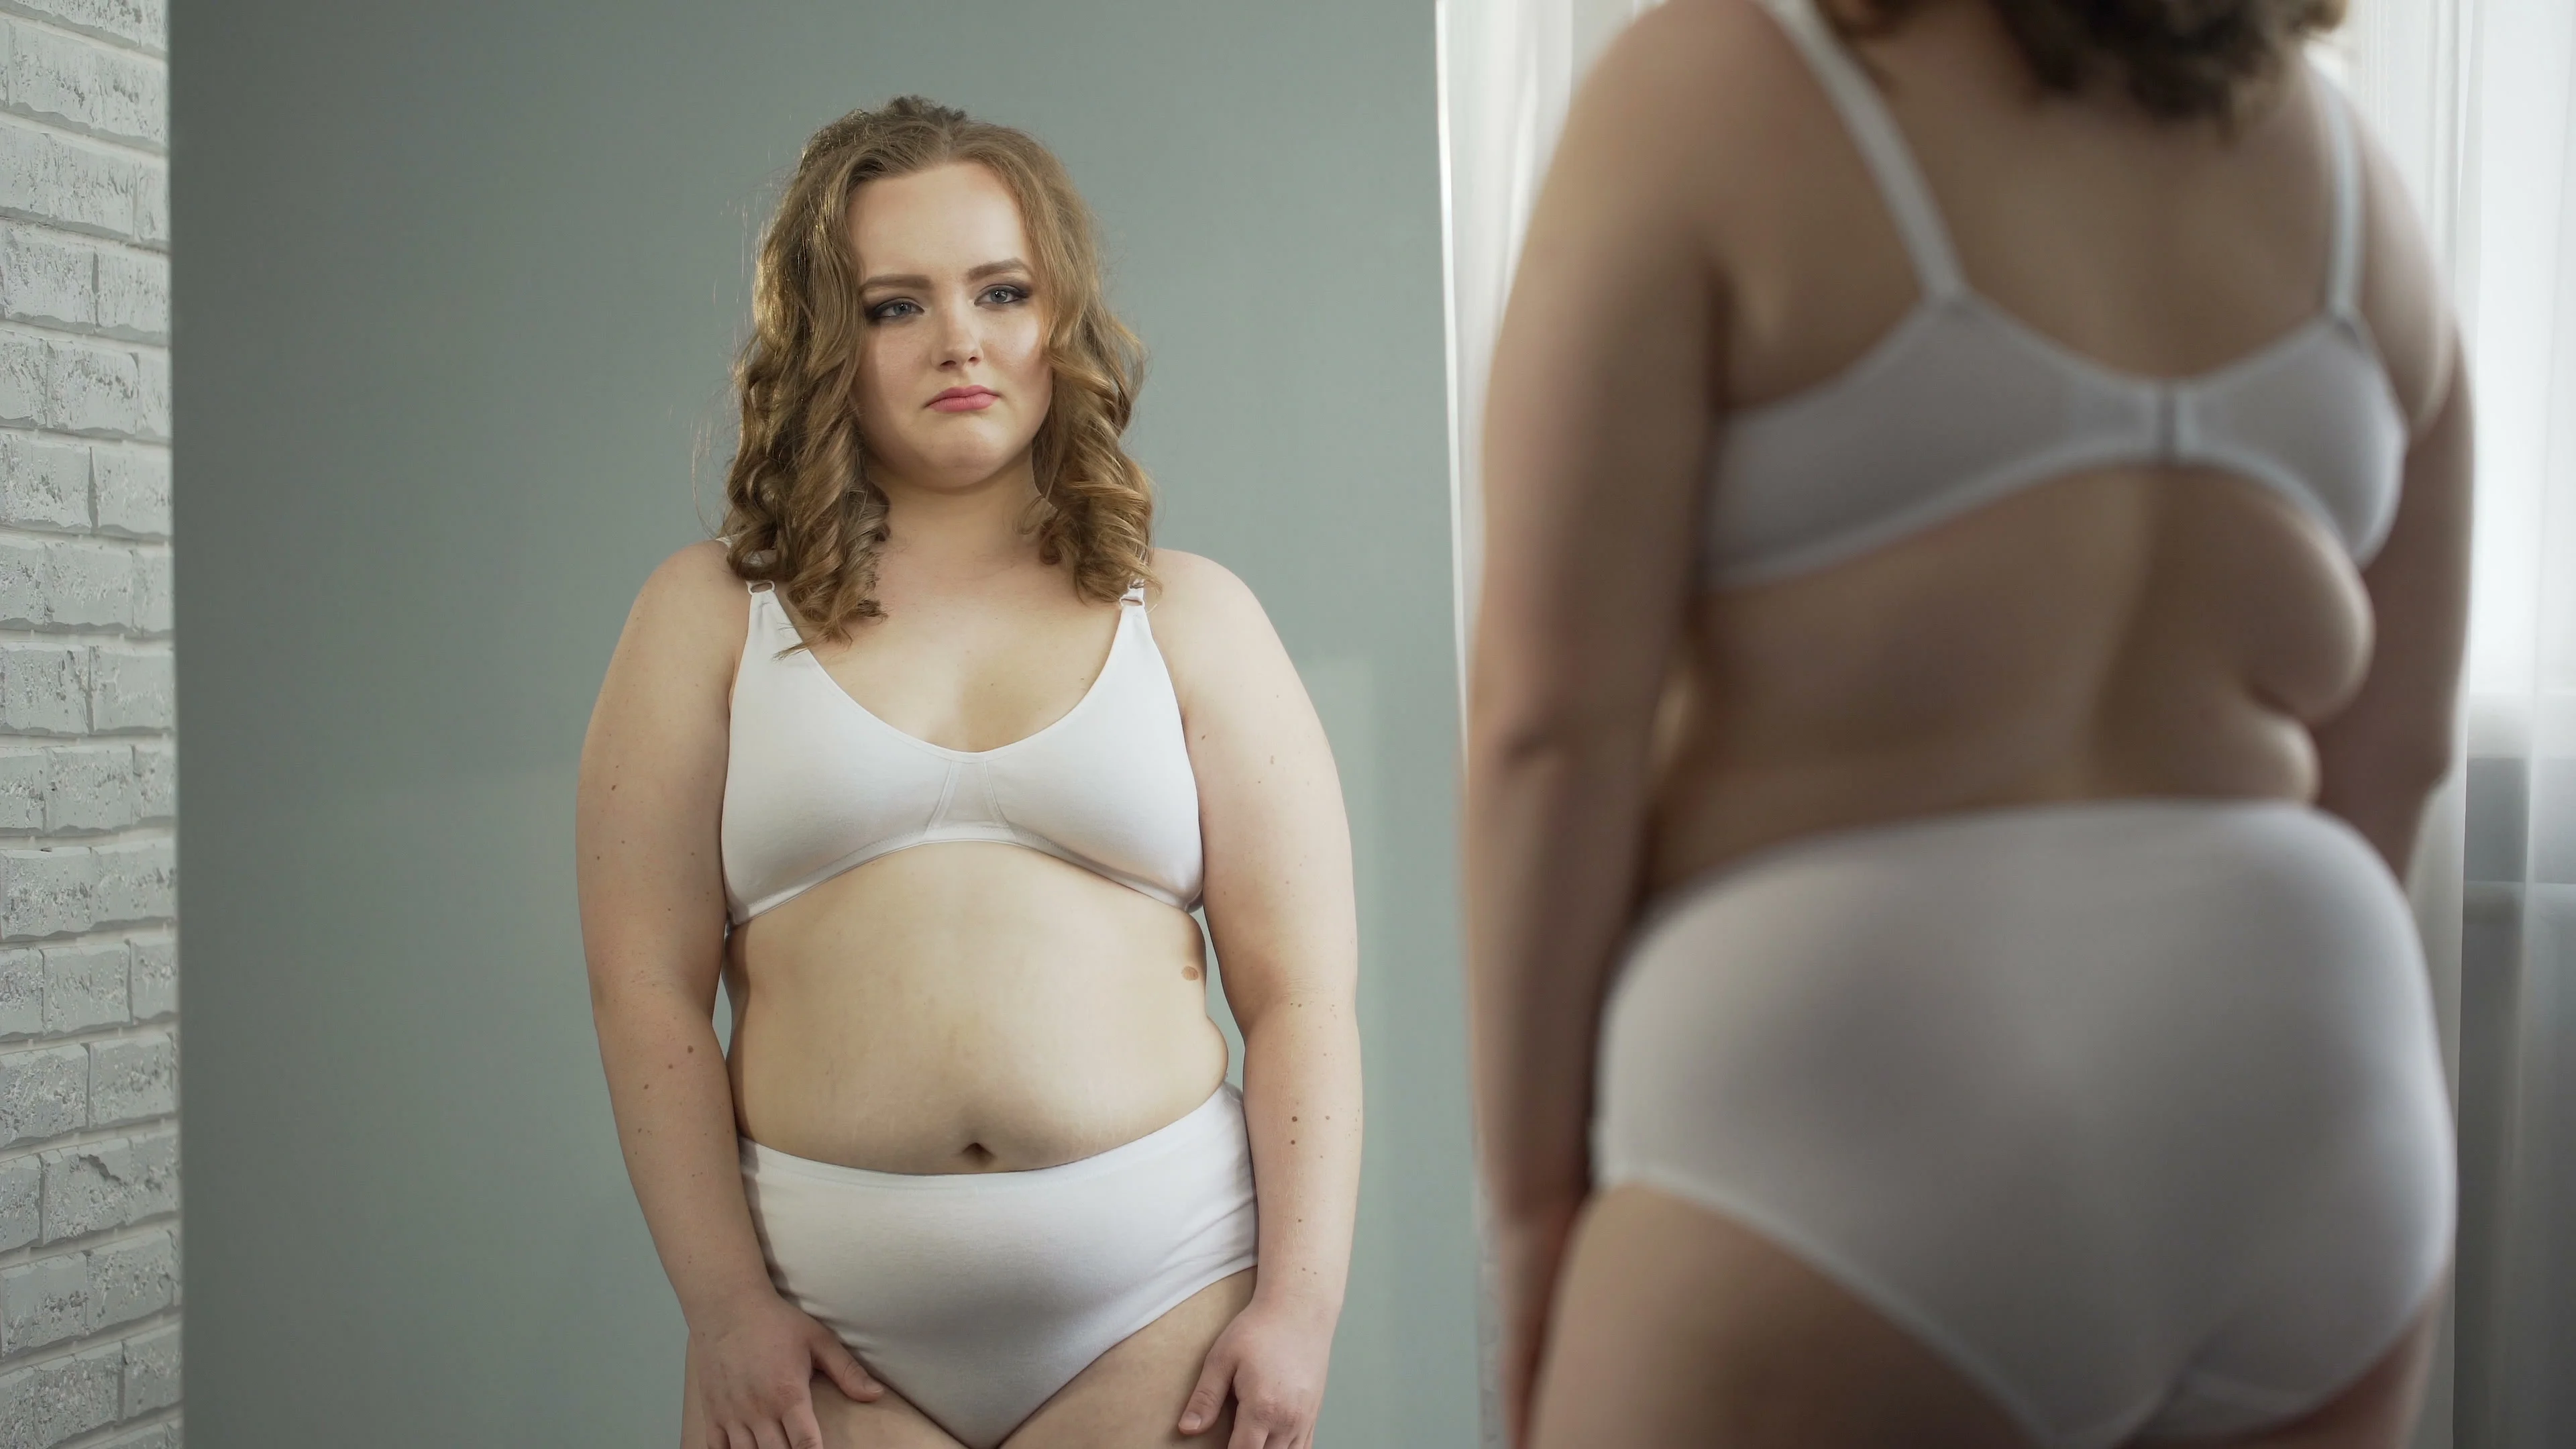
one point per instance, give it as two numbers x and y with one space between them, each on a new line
977 1295
2131 1110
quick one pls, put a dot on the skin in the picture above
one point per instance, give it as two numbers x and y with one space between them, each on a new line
1708 239
972 1007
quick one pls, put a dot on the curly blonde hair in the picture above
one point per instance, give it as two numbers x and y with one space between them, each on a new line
800 512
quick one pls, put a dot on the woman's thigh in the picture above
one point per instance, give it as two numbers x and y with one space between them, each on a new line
1131 1396
887 1423
1675 1325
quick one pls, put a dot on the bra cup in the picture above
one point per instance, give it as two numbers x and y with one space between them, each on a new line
1111 785
815 785
800 791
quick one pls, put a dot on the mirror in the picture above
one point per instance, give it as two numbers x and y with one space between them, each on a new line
461 285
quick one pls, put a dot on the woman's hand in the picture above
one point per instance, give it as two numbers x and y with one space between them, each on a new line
750 1377
1273 1356
1529 1252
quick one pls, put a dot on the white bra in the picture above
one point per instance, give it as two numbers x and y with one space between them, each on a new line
816 785
1962 403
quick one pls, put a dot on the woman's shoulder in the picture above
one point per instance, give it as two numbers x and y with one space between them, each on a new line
693 603
1190 576
1196 585
1682 38
1200 608
2402 296
1695 111
702 565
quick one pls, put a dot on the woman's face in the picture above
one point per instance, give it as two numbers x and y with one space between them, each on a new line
953 378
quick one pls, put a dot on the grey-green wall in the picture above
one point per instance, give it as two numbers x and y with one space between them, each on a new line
459 284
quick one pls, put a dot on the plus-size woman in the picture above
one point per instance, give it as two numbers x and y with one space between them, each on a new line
930 758
1974 594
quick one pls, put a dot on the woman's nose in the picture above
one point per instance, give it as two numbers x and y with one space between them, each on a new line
960 340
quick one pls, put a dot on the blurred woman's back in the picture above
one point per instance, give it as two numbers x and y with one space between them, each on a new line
2138 628
1976 532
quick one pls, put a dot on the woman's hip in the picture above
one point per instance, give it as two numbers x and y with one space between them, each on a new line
2077 1091
897 1247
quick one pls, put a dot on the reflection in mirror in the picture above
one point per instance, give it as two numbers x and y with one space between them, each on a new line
1021 793
972 751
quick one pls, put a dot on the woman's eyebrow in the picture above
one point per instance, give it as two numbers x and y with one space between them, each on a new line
973 274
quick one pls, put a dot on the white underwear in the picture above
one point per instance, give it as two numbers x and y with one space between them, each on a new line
2133 1110
977 1295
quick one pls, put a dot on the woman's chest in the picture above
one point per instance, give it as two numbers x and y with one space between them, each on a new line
973 679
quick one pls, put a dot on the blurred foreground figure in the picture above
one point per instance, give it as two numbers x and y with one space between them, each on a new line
1977 499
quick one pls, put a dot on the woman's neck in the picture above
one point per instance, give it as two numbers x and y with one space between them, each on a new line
968 532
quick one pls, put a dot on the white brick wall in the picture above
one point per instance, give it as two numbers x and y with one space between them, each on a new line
89 1052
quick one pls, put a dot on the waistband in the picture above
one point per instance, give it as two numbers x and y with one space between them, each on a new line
2138 813
1220 1117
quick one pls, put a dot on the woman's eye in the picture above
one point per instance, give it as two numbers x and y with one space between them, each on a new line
1005 294
890 311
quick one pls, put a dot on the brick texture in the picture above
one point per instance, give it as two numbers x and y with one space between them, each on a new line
90 1287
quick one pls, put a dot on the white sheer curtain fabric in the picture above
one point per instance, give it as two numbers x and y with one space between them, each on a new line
1507 69
2476 100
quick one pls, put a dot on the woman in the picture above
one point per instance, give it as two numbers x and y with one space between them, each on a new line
1977 534
930 756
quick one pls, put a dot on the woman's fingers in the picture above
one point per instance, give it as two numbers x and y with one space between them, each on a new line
768 1433
1265 1418
1215 1377
804 1431
844 1368
1257 1426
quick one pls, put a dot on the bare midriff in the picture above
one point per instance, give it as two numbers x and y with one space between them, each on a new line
968 1007
2132 632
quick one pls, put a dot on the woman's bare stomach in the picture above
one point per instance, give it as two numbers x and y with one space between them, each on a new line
2129 633
968 1007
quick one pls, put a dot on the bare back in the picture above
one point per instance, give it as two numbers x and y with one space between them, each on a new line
2123 631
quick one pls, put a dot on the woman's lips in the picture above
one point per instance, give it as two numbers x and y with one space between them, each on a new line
965 400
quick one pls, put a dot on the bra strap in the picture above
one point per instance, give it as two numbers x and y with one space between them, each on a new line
1135 593
2343 261
1882 145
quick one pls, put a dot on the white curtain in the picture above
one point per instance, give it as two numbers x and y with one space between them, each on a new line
1507 69
2476 101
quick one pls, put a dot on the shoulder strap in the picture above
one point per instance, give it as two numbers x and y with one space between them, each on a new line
2343 259
1135 593
1882 145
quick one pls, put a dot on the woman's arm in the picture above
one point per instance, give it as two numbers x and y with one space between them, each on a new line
1596 435
1280 909
653 923
2380 759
